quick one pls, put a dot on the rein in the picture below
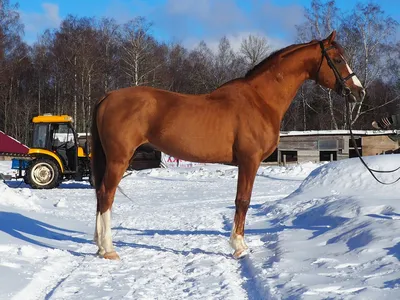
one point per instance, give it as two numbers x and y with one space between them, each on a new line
370 170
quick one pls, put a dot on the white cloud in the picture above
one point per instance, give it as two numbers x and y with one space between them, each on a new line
191 21
35 23
201 8
235 40
52 13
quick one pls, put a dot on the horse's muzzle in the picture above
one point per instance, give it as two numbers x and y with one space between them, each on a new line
355 96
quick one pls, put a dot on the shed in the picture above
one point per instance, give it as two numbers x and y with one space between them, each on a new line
328 145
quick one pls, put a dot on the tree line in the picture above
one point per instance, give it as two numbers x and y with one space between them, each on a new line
68 68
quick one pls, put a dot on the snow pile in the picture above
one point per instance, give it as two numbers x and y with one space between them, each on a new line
213 171
343 179
289 171
351 177
5 167
195 173
20 198
331 235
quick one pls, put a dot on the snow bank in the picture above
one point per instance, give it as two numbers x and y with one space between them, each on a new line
333 232
351 177
290 171
20 198
347 180
193 173
212 171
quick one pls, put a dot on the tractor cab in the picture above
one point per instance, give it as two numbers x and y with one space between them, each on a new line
57 135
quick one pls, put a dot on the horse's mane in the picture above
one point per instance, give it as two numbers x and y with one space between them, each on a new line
275 55
270 59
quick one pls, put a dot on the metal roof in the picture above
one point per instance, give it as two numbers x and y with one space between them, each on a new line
339 132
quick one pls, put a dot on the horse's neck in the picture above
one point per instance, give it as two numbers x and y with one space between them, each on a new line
279 83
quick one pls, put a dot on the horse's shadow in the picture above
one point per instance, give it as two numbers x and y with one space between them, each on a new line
167 249
225 233
164 232
27 229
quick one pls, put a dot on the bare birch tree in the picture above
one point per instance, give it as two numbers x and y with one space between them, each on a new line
254 49
138 52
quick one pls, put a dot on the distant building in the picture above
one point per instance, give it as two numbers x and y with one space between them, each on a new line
329 145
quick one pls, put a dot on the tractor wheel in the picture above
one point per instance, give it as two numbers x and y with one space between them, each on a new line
43 173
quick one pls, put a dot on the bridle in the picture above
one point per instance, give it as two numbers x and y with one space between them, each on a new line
345 92
344 89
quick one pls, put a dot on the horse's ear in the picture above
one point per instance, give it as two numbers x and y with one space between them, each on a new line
332 36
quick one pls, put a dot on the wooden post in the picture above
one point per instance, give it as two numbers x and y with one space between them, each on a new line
331 156
279 157
284 160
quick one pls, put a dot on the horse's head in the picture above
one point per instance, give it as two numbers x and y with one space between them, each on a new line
335 73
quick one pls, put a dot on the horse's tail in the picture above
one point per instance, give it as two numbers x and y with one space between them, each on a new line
98 159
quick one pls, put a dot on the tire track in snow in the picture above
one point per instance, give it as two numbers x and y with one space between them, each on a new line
50 294
64 278
48 278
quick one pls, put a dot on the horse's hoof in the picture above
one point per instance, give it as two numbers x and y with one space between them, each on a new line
111 255
240 253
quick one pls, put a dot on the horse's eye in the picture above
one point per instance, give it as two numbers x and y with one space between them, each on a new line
338 60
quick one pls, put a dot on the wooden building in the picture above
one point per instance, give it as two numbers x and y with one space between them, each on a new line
329 145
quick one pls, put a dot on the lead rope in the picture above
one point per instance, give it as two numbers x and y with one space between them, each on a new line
360 157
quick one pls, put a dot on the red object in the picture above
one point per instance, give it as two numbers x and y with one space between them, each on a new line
9 144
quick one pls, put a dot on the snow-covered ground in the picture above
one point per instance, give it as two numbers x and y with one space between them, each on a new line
316 231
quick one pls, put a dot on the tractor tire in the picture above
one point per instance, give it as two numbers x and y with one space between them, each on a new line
43 173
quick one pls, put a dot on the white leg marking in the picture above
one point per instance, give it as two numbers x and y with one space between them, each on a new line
106 240
236 240
98 232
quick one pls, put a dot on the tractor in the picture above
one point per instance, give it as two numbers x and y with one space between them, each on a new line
55 154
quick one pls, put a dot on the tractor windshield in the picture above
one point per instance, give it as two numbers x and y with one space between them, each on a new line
40 134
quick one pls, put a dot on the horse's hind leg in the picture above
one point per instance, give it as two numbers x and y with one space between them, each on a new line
105 197
247 174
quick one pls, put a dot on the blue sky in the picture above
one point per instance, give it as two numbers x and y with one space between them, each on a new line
187 21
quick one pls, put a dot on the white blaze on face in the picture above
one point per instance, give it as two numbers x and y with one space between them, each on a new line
355 79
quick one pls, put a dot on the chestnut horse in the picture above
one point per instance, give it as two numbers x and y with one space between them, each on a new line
238 123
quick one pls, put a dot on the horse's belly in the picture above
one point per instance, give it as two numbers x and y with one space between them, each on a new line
196 149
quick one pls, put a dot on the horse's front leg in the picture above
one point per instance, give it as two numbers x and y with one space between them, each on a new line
247 174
